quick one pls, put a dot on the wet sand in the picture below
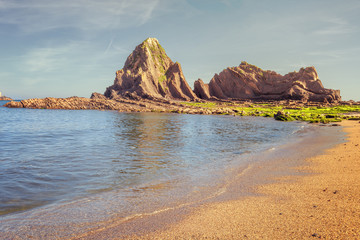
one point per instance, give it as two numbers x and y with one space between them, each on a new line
324 204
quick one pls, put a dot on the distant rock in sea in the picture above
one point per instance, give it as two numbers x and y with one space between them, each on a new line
149 73
250 82
4 98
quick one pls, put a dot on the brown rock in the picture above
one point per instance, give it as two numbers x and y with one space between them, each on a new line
4 98
149 73
66 103
96 95
201 89
250 82
14 104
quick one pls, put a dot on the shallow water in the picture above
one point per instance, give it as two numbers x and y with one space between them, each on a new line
92 166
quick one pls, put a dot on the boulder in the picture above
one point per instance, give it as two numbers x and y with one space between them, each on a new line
14 104
201 89
281 116
96 95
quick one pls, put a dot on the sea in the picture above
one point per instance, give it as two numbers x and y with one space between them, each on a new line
66 172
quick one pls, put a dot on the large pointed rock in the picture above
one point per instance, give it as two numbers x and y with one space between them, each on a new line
149 73
250 82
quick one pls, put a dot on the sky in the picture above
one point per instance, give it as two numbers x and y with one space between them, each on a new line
74 47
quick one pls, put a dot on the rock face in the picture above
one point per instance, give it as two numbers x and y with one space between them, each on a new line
149 73
201 89
250 82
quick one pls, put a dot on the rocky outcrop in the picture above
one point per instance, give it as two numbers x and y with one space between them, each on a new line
149 73
201 89
250 82
100 102
96 95
75 103
4 98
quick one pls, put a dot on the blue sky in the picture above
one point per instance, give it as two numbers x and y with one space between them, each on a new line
74 47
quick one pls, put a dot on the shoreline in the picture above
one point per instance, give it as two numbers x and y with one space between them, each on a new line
166 225
179 222
65 221
280 110
323 204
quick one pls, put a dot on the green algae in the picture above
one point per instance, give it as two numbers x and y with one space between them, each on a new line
319 114
162 78
200 104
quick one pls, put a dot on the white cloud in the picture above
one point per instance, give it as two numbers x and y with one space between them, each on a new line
48 59
40 15
321 58
226 2
109 46
114 48
335 55
332 25
326 54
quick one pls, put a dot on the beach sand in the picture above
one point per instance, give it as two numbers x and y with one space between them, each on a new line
324 204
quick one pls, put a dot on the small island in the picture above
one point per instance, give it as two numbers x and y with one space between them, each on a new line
4 98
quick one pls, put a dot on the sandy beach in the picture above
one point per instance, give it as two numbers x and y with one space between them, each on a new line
324 204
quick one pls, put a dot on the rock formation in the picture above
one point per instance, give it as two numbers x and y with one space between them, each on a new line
149 73
250 82
80 103
4 98
150 81
100 102
201 89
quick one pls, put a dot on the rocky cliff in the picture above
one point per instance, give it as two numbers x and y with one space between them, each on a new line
149 73
250 82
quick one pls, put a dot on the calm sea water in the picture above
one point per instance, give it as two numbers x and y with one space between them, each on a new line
123 162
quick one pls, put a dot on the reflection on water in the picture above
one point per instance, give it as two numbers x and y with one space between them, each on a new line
49 156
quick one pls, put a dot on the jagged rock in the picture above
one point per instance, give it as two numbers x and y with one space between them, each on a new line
149 73
96 95
250 82
201 89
